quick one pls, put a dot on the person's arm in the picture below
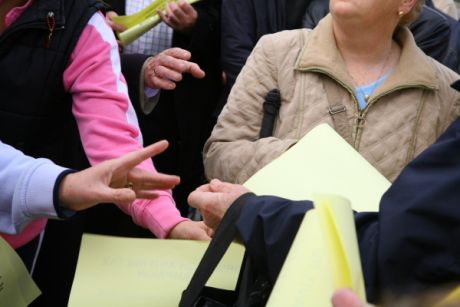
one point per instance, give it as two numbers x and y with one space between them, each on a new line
234 151
106 119
238 36
432 33
37 188
27 189
419 220
267 224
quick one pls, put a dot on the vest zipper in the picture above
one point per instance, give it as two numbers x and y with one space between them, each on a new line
51 22
40 25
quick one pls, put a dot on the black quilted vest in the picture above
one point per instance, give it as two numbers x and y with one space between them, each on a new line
35 110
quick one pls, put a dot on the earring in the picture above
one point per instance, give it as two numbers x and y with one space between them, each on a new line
401 13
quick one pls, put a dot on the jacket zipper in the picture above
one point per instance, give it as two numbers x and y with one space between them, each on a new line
40 25
361 118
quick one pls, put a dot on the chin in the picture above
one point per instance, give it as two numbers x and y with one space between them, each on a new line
343 7
344 12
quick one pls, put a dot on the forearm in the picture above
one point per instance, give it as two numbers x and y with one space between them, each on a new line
235 151
159 215
106 119
238 36
268 226
27 189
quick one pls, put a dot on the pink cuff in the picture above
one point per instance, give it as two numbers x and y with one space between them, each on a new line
159 215
28 234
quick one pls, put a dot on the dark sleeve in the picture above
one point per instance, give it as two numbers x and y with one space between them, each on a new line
131 66
116 5
239 36
432 33
267 225
204 39
61 211
419 224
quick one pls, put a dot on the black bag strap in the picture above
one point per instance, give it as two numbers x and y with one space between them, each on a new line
225 234
271 108
337 110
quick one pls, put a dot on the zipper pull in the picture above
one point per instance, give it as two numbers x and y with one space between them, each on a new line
51 21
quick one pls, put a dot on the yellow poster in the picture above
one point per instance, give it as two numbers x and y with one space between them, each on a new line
120 272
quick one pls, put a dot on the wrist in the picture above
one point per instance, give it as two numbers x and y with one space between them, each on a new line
62 196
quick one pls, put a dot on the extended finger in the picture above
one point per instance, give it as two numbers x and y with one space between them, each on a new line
134 158
164 84
195 70
172 74
178 53
174 63
143 179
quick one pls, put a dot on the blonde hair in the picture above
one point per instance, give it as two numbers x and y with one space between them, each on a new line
413 14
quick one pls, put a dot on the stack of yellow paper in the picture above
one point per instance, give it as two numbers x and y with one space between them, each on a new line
321 162
142 21
324 257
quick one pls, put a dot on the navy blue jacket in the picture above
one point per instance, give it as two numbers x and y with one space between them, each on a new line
410 245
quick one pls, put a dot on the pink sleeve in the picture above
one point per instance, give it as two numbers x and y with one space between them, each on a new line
106 119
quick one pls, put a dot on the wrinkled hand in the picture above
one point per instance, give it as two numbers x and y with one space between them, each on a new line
167 67
347 298
180 16
108 181
190 230
214 199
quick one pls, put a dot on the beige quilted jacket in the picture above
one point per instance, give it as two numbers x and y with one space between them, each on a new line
404 116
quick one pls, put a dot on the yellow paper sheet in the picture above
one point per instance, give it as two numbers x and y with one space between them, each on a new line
323 258
16 286
321 162
139 23
120 272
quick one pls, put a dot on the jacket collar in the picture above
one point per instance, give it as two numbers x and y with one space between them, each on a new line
320 54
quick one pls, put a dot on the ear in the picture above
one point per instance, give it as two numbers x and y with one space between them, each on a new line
406 6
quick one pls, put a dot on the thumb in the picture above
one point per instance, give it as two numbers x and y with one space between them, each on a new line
346 298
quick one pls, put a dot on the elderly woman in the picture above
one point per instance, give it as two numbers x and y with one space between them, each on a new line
359 70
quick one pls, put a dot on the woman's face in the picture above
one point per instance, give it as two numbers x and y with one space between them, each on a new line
365 11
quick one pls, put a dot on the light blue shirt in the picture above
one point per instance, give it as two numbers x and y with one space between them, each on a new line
367 90
26 191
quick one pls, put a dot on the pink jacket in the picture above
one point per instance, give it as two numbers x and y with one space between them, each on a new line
106 120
